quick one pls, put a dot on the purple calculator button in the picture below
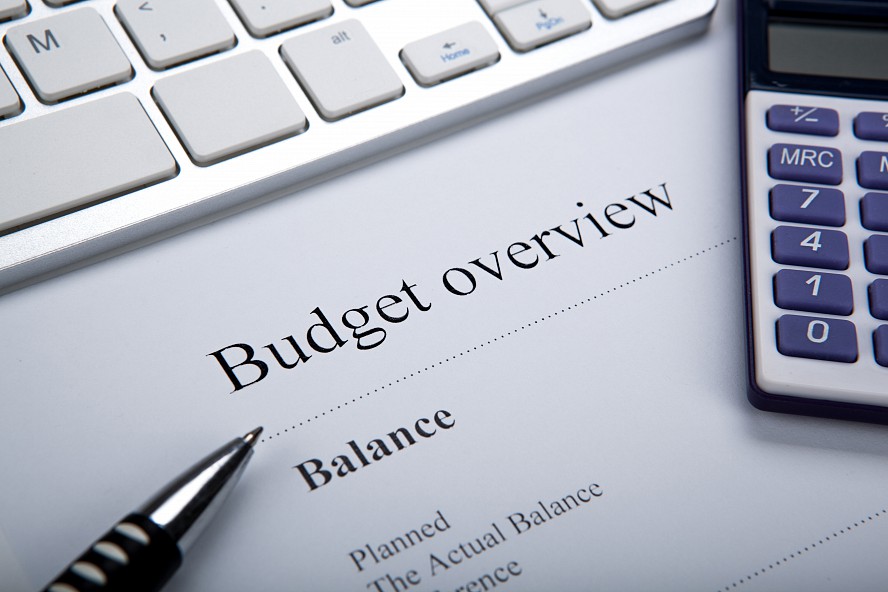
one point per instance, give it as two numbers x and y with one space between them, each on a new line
875 253
878 297
874 211
806 164
872 170
871 126
803 120
810 247
813 291
821 339
808 205
880 344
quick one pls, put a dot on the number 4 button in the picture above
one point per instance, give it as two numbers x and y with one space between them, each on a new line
809 247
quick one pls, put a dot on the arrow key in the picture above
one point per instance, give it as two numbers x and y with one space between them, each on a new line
165 31
449 54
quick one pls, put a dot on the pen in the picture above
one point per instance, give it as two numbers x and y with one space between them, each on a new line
144 549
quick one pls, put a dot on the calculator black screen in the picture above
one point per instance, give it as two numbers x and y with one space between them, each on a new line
837 51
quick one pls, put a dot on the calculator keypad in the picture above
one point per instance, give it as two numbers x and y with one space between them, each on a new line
818 226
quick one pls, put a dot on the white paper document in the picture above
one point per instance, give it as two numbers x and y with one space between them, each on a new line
509 359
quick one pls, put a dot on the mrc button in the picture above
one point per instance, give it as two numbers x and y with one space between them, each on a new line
808 164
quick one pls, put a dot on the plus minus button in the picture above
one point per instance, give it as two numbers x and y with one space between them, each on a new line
799 119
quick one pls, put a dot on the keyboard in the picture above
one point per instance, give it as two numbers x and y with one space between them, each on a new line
124 120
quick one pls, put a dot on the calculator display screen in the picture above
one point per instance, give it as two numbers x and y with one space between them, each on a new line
818 50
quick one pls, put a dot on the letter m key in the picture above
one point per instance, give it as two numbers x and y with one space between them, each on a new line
46 45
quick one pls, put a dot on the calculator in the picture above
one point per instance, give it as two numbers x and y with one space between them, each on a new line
814 148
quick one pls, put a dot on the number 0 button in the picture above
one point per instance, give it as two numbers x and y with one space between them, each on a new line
810 247
821 339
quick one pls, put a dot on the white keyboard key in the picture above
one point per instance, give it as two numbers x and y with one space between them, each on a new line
617 8
542 21
228 107
170 32
266 17
68 54
494 6
9 100
449 54
342 69
78 155
10 9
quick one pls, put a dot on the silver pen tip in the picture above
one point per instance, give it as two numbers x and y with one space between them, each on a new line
251 437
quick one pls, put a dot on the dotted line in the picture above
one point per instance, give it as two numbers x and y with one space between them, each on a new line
799 552
496 339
